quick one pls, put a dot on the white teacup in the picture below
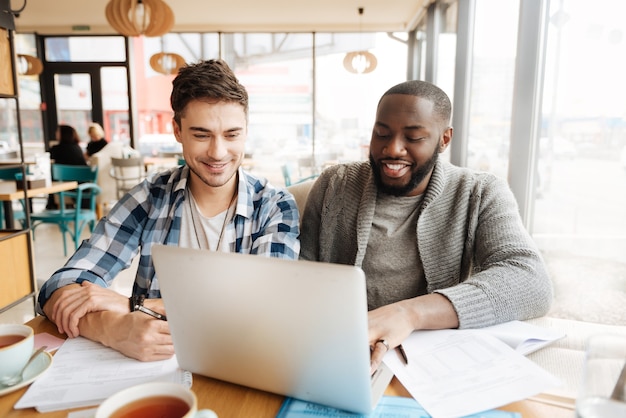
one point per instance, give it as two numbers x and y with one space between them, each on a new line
16 347
170 400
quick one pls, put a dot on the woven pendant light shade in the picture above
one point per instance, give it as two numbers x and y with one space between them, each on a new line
166 62
360 62
28 65
140 17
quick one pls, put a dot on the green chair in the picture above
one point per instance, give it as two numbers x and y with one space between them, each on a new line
287 176
72 220
10 174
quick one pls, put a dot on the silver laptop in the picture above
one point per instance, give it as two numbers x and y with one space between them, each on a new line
295 328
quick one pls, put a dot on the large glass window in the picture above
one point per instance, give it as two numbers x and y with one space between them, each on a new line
304 115
9 139
31 122
153 125
85 49
277 70
493 72
346 102
73 100
579 217
115 104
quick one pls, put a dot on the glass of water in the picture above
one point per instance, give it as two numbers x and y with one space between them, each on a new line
603 388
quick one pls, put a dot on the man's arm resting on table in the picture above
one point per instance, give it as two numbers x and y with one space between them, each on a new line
104 315
395 322
68 304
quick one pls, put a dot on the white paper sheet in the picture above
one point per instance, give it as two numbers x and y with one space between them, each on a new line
84 373
455 373
524 337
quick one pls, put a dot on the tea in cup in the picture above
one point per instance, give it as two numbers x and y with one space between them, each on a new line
16 347
163 399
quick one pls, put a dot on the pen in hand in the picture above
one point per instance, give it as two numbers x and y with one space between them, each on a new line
136 304
403 355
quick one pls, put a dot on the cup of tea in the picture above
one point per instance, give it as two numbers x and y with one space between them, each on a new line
16 347
603 388
162 399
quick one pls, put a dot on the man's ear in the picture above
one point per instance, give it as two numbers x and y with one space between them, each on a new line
446 138
176 131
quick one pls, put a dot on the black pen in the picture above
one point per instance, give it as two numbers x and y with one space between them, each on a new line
150 312
136 304
403 355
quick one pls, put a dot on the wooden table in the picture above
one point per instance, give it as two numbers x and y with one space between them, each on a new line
16 161
229 400
9 193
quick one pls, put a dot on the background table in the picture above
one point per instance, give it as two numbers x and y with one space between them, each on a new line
10 193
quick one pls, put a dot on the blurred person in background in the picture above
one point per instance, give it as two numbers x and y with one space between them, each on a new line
97 141
67 151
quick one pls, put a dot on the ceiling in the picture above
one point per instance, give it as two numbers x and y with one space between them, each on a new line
63 16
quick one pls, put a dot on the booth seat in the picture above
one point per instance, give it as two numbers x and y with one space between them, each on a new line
300 192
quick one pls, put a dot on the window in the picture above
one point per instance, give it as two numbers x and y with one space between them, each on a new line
299 116
495 43
580 202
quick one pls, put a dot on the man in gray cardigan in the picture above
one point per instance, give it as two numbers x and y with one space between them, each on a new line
441 246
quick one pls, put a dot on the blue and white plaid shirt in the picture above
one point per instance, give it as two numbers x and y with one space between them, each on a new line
266 223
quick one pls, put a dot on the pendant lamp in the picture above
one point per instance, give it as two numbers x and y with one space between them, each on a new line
140 17
28 65
360 62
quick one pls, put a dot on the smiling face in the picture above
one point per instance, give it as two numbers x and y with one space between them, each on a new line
406 141
213 135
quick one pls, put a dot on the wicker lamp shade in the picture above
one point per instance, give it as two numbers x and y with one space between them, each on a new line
166 62
140 17
360 62
28 65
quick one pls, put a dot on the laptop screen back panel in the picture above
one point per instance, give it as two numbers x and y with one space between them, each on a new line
295 328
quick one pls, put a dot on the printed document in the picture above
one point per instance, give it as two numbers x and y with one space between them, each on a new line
454 373
85 373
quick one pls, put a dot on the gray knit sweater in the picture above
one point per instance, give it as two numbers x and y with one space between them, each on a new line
471 240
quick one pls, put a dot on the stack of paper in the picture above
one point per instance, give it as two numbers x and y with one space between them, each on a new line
454 373
85 373
525 338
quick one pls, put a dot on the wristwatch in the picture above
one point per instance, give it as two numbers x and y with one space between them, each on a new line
136 304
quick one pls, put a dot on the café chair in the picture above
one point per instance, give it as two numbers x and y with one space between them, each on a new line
287 176
108 192
77 207
127 172
11 174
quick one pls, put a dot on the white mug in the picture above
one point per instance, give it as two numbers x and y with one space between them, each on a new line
147 395
15 355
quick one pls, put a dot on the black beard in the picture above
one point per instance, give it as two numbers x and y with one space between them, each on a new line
416 177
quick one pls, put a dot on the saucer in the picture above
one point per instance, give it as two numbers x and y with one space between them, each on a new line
39 365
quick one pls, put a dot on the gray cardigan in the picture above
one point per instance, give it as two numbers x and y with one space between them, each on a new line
472 243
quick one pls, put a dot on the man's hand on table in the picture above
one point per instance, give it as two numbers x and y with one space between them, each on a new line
69 304
104 315
393 323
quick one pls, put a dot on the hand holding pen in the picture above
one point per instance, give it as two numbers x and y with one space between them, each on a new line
405 359
137 304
